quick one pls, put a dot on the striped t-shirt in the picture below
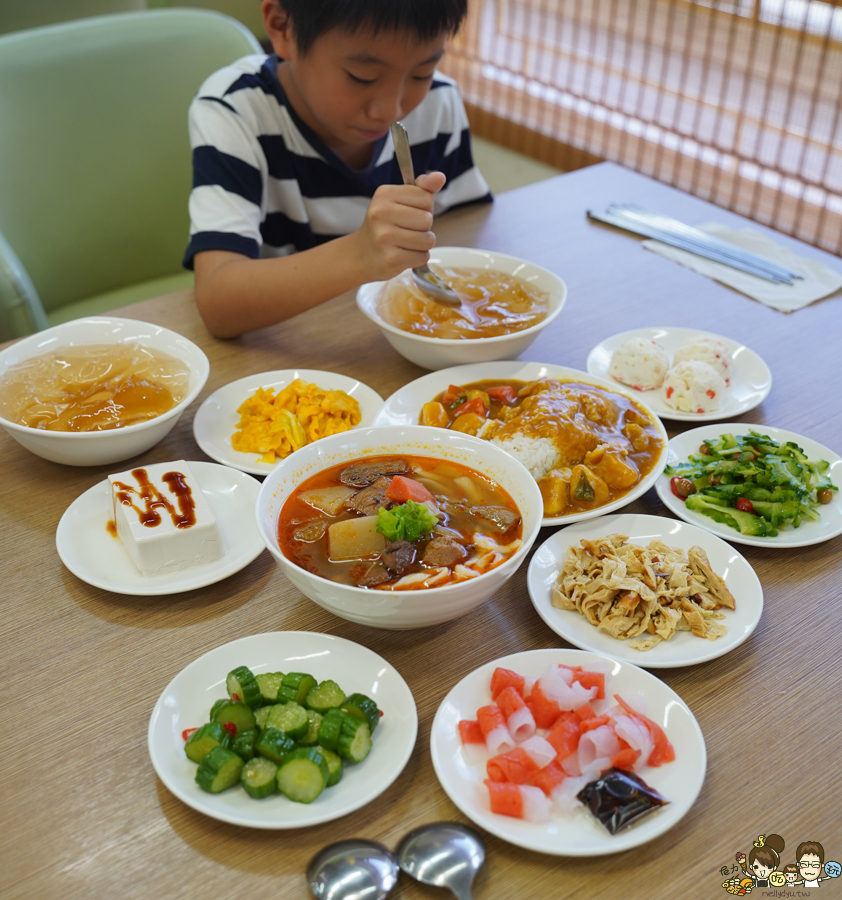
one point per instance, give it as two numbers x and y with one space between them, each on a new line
264 184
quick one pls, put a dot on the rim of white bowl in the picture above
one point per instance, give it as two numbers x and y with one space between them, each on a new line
460 342
189 397
270 484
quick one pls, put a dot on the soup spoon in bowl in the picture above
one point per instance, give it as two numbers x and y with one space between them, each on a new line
423 276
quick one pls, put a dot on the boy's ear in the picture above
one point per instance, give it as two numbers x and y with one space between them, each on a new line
278 27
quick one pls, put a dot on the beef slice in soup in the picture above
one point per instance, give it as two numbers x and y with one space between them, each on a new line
398 557
496 518
443 551
363 473
370 499
369 575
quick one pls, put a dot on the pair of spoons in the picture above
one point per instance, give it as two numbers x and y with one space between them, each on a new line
444 854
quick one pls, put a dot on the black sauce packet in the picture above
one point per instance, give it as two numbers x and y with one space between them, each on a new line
618 798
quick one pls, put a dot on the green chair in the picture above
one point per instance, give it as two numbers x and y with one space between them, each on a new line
95 168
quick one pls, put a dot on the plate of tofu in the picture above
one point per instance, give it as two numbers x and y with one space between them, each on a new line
162 528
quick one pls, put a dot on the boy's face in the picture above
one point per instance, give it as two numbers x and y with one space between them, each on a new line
350 88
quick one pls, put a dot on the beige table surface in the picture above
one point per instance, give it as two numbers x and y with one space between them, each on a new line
83 814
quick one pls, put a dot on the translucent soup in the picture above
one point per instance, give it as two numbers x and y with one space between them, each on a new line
94 387
493 304
345 523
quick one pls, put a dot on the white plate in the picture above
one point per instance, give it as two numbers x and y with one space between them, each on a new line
91 553
751 379
216 419
404 408
187 699
684 648
809 532
579 834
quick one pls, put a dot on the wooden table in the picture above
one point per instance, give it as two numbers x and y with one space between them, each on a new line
83 814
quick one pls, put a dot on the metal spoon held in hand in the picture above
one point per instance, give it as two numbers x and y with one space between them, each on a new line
445 854
424 276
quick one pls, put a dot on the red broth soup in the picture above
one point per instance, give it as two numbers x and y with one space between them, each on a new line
399 523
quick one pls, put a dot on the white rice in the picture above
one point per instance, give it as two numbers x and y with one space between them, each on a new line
539 455
693 386
639 363
706 350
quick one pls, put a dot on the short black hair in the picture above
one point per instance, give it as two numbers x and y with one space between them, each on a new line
424 18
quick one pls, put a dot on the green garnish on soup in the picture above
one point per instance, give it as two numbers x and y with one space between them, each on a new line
406 522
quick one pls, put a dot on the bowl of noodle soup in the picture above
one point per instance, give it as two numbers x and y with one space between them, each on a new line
95 391
422 599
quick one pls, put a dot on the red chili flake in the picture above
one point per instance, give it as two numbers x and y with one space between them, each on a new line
670 391
236 697
231 728
745 505
711 393
700 410
185 735
381 713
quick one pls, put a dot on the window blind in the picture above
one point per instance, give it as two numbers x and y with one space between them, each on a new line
736 102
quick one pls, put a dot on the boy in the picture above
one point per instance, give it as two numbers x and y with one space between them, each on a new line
293 153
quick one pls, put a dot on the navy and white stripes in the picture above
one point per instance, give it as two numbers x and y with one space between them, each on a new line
264 184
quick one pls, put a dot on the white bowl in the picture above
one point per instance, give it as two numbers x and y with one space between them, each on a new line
439 353
97 448
408 608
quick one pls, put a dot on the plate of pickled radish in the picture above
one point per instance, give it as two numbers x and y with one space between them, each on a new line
568 752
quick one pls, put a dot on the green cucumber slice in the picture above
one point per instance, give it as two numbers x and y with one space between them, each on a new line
312 736
289 718
242 686
327 695
219 770
274 745
334 765
238 714
354 742
259 777
330 728
295 687
269 684
204 739
261 715
243 744
363 708
303 775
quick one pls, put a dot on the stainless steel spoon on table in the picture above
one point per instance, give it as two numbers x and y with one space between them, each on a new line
445 854
426 279
355 869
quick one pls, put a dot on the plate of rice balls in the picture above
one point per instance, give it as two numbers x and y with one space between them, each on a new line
683 373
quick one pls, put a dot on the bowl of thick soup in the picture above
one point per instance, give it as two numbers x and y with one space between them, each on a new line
98 390
506 303
399 527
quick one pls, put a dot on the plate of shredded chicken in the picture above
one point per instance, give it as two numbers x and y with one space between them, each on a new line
646 589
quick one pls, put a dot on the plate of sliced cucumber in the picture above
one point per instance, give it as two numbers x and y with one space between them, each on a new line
283 730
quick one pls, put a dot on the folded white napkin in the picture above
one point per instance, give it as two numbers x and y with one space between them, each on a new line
818 281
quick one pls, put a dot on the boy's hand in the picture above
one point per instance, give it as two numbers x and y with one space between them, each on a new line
396 232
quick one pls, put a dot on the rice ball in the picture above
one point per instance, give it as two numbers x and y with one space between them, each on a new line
639 363
707 350
693 386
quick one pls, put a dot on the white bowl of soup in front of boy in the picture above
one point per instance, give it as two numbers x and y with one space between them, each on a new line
319 512
506 303
95 391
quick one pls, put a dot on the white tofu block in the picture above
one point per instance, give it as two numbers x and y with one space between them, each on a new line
163 519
